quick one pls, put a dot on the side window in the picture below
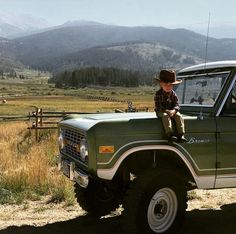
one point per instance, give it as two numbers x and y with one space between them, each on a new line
233 94
201 89
230 105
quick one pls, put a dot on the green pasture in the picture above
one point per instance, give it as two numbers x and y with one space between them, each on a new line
24 95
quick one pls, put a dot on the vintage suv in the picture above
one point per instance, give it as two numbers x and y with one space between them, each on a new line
123 158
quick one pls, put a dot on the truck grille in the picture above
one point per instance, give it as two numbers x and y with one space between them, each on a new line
72 141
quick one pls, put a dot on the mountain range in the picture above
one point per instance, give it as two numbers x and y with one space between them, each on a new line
86 44
16 25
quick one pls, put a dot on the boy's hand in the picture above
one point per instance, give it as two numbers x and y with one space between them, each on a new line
171 113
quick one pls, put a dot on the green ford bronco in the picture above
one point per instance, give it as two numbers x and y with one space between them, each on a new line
123 158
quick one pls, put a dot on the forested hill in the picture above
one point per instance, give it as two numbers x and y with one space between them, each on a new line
41 50
138 56
8 57
143 48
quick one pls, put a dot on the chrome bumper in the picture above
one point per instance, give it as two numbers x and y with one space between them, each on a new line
68 169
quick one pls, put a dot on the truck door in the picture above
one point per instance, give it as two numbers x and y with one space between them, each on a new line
201 146
226 142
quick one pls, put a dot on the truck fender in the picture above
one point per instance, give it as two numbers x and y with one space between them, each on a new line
201 181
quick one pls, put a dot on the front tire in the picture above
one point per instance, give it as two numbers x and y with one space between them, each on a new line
155 203
97 199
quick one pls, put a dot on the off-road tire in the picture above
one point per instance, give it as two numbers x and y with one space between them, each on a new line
97 199
155 203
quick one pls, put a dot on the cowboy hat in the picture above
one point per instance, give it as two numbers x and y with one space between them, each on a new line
168 76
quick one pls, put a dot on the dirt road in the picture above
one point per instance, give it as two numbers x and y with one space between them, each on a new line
209 212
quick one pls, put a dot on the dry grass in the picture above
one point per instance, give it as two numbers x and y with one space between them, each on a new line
74 100
62 103
210 199
28 169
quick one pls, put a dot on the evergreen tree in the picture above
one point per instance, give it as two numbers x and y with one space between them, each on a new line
99 76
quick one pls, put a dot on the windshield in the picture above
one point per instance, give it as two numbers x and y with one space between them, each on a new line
202 89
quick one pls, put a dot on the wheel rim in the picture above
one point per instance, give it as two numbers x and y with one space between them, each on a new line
162 210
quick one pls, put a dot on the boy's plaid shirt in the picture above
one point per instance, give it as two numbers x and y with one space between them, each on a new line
166 101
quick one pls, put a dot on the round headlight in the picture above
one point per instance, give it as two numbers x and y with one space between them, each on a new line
83 149
61 140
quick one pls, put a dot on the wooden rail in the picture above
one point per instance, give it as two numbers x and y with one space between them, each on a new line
14 118
47 119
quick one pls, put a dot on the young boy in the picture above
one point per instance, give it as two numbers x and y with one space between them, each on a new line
167 106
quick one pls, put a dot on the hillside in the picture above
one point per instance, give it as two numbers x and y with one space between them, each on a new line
140 56
143 48
70 39
8 58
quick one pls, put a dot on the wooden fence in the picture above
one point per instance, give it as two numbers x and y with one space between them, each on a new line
47 119
42 119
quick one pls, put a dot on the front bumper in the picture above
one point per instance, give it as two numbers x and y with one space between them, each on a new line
69 169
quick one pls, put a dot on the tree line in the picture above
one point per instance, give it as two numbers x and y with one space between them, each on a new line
8 72
80 78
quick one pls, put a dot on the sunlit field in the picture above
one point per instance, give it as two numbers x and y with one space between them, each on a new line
76 100
28 169
23 106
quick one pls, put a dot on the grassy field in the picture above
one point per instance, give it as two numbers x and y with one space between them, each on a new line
23 97
28 168
22 106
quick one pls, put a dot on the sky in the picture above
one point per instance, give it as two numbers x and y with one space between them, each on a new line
166 13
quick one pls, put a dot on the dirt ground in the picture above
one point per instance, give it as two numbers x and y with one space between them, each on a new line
208 212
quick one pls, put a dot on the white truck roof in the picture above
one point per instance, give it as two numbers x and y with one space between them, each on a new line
210 65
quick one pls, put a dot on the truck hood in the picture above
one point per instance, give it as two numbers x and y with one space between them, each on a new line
86 121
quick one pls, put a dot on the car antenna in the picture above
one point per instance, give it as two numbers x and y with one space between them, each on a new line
207 39
206 51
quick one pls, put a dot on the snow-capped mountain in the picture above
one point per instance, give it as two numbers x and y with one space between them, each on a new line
13 25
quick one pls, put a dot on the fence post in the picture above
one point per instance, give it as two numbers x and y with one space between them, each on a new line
41 117
36 124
